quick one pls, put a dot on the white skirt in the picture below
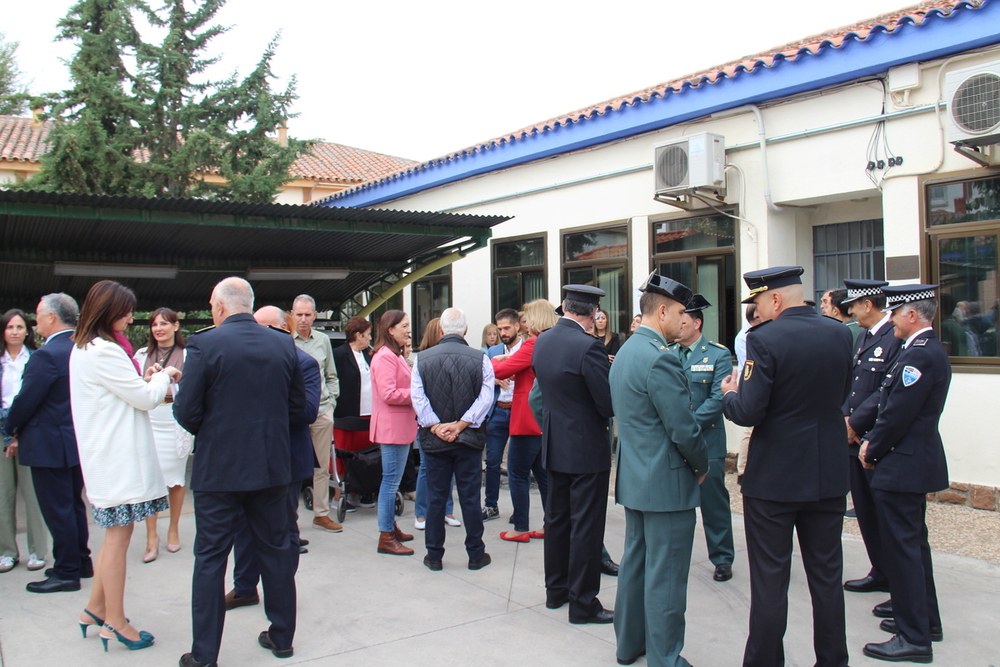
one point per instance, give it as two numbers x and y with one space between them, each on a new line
161 418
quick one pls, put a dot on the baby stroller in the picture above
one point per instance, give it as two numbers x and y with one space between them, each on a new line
363 477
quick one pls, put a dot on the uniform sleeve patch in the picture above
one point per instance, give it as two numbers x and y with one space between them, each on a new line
910 376
920 342
747 370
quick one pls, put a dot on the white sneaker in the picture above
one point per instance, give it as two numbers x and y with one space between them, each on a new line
452 521
7 563
419 524
35 563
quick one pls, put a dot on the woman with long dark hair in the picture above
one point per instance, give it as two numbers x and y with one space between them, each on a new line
110 400
173 444
18 344
602 329
393 424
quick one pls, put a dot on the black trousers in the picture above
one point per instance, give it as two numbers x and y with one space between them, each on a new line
864 506
575 515
908 564
216 517
466 464
246 570
769 527
60 497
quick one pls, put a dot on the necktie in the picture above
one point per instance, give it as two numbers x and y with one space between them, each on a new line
685 353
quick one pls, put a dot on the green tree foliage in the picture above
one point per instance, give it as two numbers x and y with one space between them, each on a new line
142 119
13 94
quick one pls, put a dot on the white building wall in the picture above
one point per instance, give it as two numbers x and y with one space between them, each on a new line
823 172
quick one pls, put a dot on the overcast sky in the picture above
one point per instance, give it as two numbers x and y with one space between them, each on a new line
422 79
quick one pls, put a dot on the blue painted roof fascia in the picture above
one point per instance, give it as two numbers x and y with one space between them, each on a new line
938 36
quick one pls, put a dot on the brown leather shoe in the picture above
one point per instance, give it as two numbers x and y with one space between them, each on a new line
233 601
327 524
388 544
400 535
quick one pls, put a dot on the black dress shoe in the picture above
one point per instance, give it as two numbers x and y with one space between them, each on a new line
883 610
898 649
609 567
432 565
187 660
603 616
627 661
868 584
889 625
303 550
303 542
480 562
723 572
53 585
85 572
264 639
556 603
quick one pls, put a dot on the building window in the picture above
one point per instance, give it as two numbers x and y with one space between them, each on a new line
518 272
599 257
846 250
431 295
701 253
963 227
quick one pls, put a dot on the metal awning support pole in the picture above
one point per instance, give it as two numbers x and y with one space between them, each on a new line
417 274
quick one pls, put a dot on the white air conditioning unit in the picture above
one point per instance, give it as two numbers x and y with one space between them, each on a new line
691 164
973 96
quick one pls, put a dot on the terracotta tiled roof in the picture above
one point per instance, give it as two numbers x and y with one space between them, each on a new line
884 23
24 141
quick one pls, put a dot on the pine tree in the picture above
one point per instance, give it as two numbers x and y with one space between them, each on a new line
13 95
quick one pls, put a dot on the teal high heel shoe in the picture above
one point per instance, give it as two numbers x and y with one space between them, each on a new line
145 639
97 621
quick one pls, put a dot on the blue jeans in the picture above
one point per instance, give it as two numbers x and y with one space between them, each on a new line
524 458
464 465
497 430
420 504
393 462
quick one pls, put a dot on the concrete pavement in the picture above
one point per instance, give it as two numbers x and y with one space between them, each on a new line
357 607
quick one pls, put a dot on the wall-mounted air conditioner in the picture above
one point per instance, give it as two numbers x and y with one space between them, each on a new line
693 163
973 96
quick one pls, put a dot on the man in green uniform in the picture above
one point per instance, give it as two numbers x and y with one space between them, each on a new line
706 364
661 461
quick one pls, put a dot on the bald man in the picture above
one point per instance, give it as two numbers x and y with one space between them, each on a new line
241 383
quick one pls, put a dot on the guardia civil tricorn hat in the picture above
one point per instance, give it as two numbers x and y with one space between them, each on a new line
667 287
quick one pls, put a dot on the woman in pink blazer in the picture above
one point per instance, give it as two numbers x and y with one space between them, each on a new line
393 424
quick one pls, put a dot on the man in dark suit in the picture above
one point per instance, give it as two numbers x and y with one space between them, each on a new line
662 459
875 353
572 371
906 456
241 382
41 420
246 571
794 382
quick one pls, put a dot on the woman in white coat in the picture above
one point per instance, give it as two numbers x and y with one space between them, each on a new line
110 400
173 443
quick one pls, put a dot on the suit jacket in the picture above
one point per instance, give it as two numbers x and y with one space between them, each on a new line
872 360
518 366
572 370
905 444
41 416
794 384
394 421
346 415
241 383
303 456
661 452
705 369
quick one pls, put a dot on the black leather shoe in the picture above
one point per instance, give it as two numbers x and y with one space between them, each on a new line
303 550
883 610
303 542
187 660
626 661
889 625
898 649
53 585
85 572
723 572
264 639
609 567
434 565
868 584
603 616
480 563
556 603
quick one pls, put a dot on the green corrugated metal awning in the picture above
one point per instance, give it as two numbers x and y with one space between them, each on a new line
206 241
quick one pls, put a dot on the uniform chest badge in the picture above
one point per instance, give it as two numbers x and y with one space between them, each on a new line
878 351
747 370
910 376
703 367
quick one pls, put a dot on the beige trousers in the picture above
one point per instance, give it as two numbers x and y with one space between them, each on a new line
15 477
321 431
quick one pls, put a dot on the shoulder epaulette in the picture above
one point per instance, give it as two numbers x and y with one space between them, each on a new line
203 330
720 345
920 342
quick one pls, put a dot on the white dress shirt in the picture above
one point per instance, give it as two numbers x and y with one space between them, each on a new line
13 373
